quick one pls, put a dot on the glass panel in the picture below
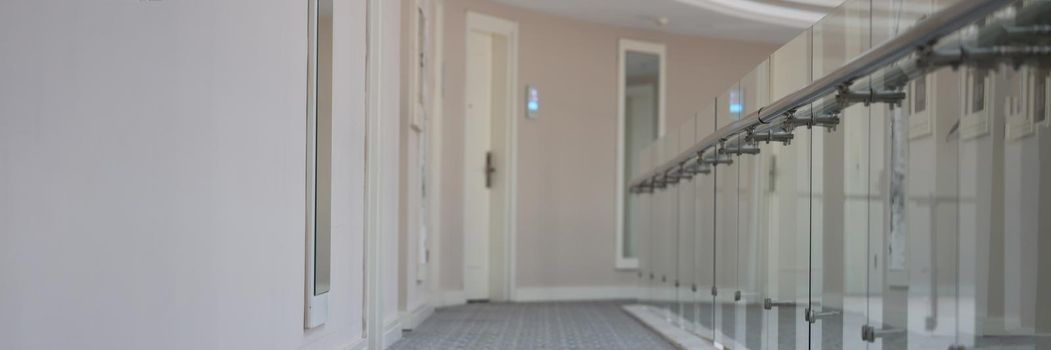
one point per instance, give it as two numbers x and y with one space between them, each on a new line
1004 280
667 252
839 192
915 154
704 263
891 18
685 278
784 208
726 242
655 232
643 226
755 89
749 305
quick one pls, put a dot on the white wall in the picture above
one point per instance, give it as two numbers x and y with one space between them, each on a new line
152 180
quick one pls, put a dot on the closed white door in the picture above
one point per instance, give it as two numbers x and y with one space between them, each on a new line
477 145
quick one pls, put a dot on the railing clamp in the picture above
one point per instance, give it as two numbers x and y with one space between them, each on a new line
846 97
717 160
812 316
659 182
770 135
645 187
680 174
740 149
670 178
870 333
770 304
792 122
700 166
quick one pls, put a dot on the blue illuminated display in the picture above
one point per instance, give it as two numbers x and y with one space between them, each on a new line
532 102
736 108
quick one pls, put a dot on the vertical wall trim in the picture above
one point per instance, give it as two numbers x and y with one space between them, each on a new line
373 177
435 174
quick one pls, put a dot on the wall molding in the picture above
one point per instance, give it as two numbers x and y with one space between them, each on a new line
359 344
412 319
450 298
391 333
576 293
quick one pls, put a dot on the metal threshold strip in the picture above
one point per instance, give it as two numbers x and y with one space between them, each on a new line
819 103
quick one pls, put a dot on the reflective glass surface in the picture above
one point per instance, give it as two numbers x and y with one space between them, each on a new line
910 213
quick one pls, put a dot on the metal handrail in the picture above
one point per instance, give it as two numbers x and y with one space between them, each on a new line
920 37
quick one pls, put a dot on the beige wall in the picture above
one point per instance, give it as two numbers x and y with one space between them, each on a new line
567 158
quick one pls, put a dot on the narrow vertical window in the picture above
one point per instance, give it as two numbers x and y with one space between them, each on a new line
318 161
641 113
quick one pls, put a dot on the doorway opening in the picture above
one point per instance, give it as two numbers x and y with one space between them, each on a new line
489 158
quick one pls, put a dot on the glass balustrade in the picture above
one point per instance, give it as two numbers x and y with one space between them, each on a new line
909 210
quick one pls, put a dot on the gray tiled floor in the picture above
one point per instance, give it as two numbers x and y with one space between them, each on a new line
571 325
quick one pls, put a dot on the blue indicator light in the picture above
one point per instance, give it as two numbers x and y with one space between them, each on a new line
736 108
534 106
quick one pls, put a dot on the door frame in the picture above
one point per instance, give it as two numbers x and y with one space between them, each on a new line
625 45
509 29
381 144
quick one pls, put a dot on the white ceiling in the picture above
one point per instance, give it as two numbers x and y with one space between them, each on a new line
774 21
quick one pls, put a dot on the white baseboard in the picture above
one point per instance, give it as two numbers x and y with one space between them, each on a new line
576 293
359 344
412 319
391 334
450 298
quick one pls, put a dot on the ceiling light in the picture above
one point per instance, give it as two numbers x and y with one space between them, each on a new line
821 3
768 13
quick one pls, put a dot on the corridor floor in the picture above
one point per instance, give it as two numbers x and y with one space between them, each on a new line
553 326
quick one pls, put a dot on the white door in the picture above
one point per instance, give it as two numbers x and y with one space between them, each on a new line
477 144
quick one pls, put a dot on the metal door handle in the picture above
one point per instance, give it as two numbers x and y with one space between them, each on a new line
489 169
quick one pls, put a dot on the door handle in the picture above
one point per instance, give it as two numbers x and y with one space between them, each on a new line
489 169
